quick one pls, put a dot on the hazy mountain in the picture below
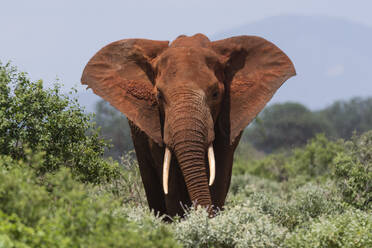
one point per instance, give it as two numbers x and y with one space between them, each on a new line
332 56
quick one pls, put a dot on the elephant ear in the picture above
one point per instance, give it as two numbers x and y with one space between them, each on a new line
254 69
121 73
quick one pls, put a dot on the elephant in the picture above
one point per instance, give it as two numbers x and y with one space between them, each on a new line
187 104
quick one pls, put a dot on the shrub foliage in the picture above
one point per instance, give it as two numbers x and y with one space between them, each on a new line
62 212
353 171
57 189
48 121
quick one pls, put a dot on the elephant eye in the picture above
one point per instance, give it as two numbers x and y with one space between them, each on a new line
215 94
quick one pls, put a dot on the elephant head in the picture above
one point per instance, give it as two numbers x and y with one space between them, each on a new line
181 94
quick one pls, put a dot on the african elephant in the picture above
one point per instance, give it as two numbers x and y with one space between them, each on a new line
187 104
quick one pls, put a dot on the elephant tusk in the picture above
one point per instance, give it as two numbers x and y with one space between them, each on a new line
167 160
212 165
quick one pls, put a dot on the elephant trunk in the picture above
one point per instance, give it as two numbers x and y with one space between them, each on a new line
188 126
191 158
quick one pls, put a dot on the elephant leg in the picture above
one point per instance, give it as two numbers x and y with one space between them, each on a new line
177 198
224 155
149 174
222 180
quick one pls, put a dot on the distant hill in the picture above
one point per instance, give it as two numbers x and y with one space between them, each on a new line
332 56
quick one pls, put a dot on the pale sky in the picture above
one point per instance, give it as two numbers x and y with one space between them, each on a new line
50 39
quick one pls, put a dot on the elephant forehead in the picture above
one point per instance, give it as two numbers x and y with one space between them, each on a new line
185 57
180 55
197 40
187 73
186 66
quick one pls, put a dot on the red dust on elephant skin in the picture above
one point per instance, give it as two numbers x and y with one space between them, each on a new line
187 104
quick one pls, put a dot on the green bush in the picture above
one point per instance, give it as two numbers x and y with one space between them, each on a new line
19 194
46 120
248 184
347 117
353 171
298 206
127 187
58 211
245 152
315 159
302 164
271 167
239 226
288 207
285 126
351 229
289 125
308 202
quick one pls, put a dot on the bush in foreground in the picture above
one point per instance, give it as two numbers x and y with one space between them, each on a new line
351 229
59 211
238 226
306 203
292 208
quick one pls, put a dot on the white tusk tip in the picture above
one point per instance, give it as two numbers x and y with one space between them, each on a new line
166 164
212 165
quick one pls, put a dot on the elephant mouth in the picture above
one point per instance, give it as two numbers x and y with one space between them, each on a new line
167 162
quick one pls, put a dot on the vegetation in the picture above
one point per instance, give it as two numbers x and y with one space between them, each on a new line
349 116
57 189
52 123
58 211
351 229
289 125
115 128
285 126
353 171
